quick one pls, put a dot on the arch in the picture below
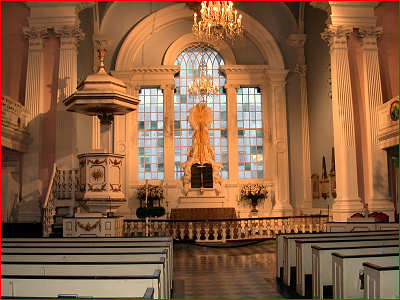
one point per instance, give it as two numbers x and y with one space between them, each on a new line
173 14
184 41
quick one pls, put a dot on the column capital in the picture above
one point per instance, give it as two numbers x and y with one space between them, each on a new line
167 86
234 86
369 36
68 32
297 40
301 69
336 36
277 77
36 36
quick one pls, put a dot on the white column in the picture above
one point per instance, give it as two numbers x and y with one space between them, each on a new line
66 138
169 154
347 201
233 161
297 41
377 187
277 81
31 183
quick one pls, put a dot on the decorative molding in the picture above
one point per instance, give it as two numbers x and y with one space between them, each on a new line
301 70
297 40
177 13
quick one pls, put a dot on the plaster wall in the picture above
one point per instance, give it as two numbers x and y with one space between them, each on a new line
387 13
14 51
318 89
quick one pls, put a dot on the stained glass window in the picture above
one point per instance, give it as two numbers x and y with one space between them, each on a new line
250 133
151 134
189 61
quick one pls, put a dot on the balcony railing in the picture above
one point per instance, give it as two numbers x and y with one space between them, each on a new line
225 230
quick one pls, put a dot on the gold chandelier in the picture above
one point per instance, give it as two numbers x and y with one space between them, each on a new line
218 20
203 85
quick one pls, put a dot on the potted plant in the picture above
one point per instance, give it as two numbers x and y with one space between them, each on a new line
253 194
150 197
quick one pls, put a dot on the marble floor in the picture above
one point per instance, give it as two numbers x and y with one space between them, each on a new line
242 271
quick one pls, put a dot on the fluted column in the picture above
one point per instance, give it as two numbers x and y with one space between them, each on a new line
377 187
277 79
169 161
31 182
232 128
347 201
66 138
297 41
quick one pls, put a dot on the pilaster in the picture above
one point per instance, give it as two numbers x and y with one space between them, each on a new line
347 201
297 41
277 81
233 161
66 138
168 90
376 191
31 196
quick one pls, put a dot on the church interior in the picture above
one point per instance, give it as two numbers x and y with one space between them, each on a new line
282 119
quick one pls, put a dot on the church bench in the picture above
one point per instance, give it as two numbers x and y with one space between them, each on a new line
116 246
82 286
89 269
289 249
322 264
280 247
381 282
94 258
360 226
304 256
346 272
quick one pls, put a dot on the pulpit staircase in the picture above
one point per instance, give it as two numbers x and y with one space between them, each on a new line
59 201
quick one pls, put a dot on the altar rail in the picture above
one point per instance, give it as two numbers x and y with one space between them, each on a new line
225 230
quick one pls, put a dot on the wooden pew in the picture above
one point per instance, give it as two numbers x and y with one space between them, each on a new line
289 249
82 286
381 282
322 264
280 245
94 258
304 256
148 294
89 246
89 269
346 272
360 226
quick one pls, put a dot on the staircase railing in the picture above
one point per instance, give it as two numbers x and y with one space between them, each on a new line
49 206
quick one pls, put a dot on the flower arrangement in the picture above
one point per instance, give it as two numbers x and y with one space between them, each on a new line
154 192
253 193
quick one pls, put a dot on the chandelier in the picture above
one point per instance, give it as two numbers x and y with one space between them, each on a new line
203 85
218 20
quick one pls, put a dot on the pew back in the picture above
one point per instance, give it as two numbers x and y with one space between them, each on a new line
289 248
322 264
89 269
88 287
304 256
346 272
381 282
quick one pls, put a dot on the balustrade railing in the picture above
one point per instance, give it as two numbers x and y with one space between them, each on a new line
225 230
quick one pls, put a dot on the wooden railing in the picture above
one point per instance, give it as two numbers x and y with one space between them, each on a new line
225 230
49 206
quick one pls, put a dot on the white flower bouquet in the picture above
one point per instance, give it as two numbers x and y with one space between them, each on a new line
253 192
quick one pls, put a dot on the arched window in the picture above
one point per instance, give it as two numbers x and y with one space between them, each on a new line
189 61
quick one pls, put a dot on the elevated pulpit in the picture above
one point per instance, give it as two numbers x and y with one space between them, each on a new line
201 182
